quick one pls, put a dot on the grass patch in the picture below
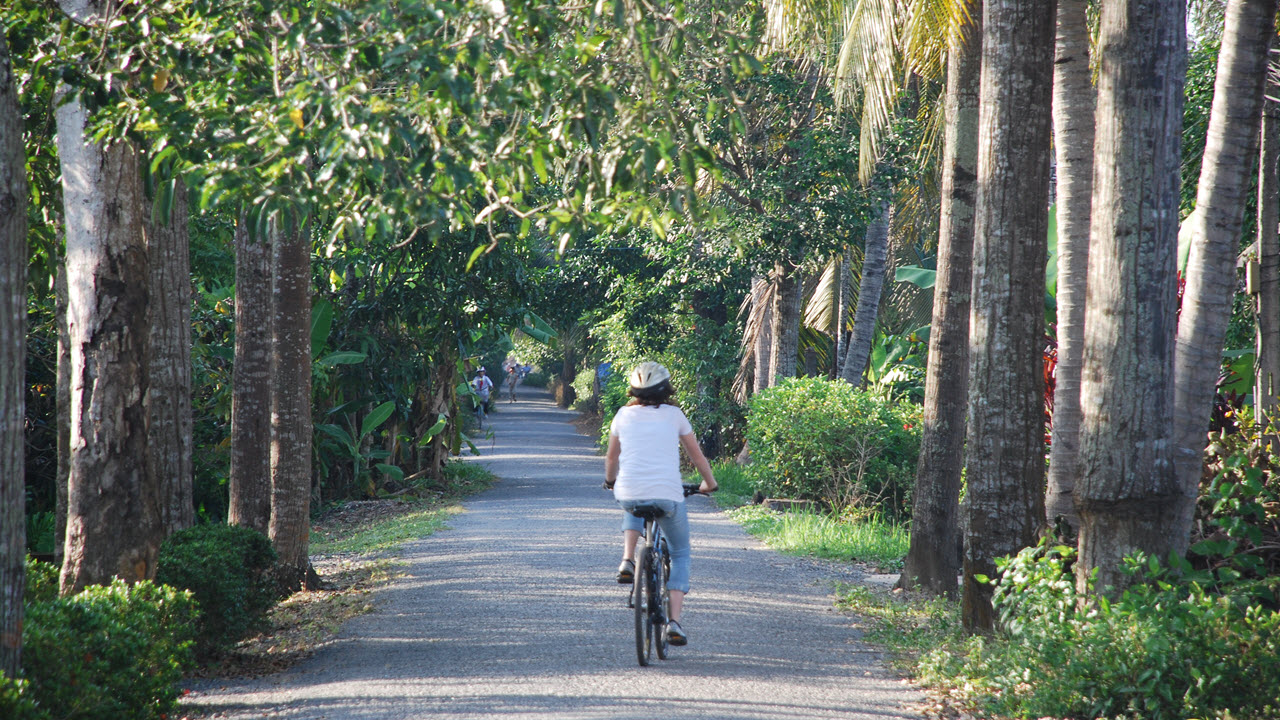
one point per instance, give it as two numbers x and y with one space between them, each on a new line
907 624
826 536
385 535
735 487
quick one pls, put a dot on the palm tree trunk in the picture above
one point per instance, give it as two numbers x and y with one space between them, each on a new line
291 405
63 391
1073 109
170 428
1213 230
764 334
1124 495
249 483
1267 367
875 253
13 347
840 338
787 307
933 560
1005 468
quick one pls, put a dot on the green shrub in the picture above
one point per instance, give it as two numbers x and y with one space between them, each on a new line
536 378
109 652
1165 649
228 569
584 390
15 700
42 582
818 439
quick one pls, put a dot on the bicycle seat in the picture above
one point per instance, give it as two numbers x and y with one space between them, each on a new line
648 512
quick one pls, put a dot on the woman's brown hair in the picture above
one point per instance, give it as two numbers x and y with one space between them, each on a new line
659 394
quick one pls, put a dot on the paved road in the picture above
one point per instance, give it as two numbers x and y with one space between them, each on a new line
513 613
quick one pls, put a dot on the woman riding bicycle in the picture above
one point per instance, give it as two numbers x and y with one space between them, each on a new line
642 465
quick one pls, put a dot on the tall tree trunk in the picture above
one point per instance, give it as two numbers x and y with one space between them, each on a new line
1073 108
250 480
291 414
1126 490
113 525
787 309
13 348
933 560
839 337
1213 230
63 390
168 252
1267 367
1005 502
764 336
875 253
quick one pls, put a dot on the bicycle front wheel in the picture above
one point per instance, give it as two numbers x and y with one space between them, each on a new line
643 600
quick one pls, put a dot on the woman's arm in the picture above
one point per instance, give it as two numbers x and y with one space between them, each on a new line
611 461
694 451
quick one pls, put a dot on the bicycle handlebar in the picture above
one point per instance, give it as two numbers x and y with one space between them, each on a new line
689 488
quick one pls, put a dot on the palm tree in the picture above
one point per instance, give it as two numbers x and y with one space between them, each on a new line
1126 478
875 251
933 560
1073 109
1005 468
1212 231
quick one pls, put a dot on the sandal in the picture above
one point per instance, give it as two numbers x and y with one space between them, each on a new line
626 572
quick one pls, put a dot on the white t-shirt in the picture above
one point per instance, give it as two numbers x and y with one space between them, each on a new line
482 384
649 465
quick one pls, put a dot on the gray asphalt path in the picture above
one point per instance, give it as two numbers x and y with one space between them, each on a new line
513 613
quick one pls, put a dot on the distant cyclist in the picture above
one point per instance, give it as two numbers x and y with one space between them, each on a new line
642 465
482 386
513 378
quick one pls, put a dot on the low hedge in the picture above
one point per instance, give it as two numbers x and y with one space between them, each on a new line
228 570
819 439
113 652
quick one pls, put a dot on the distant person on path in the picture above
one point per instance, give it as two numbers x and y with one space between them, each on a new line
483 387
642 466
513 378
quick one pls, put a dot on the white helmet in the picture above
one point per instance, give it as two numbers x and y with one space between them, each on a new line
647 375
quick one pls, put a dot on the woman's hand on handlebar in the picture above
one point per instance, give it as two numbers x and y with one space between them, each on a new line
707 488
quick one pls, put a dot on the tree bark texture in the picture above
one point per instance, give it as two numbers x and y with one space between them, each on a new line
1005 459
1073 110
113 514
1213 230
249 484
934 558
169 257
875 253
13 348
764 335
839 335
291 414
1267 367
63 391
787 309
1126 490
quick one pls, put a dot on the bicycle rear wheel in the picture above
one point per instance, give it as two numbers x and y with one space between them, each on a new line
643 599
662 598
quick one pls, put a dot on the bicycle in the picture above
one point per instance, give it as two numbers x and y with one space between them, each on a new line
479 410
649 597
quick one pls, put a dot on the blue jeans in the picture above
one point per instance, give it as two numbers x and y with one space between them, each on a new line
675 526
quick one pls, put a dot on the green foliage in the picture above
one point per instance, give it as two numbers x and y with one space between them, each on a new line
15 699
227 568
1167 648
536 378
42 582
818 439
113 652
735 483
41 528
823 535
